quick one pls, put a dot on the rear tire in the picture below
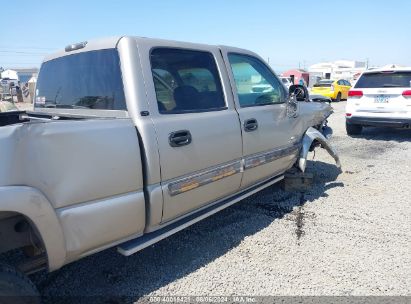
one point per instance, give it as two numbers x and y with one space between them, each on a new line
353 129
15 287
338 99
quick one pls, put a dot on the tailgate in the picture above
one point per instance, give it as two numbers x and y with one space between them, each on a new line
384 101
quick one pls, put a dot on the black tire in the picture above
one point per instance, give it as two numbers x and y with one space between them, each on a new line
338 99
353 129
15 287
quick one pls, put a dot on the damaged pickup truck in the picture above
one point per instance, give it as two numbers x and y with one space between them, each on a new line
134 139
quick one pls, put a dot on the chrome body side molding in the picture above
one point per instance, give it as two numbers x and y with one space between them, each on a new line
203 178
208 176
270 156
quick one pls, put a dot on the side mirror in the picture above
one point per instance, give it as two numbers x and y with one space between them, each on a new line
300 92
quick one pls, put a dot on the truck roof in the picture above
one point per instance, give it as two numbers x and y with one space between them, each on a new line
388 69
111 42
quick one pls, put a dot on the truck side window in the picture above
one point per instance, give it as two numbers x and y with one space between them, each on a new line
186 81
256 84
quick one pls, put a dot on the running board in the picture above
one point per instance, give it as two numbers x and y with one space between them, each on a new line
137 244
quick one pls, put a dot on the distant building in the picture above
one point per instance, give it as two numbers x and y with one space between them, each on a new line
26 74
10 74
22 75
296 75
25 78
340 69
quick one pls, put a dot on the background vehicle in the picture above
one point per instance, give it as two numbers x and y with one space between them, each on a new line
6 106
380 98
138 139
286 81
5 82
335 89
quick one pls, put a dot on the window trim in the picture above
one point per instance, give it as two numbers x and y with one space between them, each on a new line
193 111
225 107
281 85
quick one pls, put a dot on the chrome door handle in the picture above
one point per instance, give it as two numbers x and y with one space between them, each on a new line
250 125
179 138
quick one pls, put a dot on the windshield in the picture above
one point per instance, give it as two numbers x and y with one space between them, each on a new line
90 80
384 80
326 83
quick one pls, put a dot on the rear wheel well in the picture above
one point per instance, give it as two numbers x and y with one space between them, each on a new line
20 243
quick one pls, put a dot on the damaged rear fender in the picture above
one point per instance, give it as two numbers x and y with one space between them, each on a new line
310 136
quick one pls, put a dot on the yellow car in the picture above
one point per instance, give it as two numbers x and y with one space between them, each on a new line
335 89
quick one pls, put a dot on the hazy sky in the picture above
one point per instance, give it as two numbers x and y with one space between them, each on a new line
289 33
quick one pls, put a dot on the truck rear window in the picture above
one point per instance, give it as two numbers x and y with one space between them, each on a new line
89 80
384 80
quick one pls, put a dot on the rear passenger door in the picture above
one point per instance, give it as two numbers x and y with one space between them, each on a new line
198 130
269 135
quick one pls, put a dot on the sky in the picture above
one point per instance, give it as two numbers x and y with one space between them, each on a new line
288 34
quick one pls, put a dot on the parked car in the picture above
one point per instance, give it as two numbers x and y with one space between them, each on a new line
138 139
6 97
6 82
6 106
286 81
380 98
335 89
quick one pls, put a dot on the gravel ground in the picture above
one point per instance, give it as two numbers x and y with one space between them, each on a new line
349 235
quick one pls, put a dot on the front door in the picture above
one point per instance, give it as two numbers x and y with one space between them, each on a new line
270 142
198 130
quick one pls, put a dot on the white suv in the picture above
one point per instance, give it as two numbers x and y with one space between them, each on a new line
380 98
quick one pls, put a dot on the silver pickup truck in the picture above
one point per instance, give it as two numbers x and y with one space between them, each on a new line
134 139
